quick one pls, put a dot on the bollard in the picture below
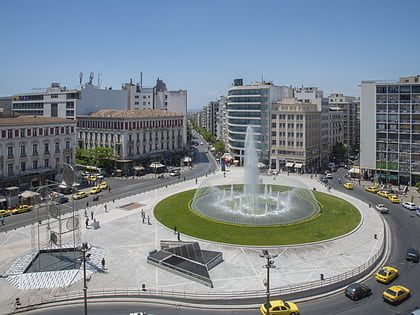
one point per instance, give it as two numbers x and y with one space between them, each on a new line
322 276
143 287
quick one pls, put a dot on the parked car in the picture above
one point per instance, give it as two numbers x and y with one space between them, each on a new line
409 205
381 208
356 291
386 274
394 199
412 255
396 294
280 307
348 185
384 193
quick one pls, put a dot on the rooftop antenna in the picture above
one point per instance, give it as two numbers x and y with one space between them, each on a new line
99 78
80 78
141 80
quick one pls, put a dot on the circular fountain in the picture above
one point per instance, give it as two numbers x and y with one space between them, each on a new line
251 203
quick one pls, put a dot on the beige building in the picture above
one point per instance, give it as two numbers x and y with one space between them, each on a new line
295 135
33 149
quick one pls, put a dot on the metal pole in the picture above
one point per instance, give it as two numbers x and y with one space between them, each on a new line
270 264
84 249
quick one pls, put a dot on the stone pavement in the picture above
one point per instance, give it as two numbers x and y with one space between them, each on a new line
127 241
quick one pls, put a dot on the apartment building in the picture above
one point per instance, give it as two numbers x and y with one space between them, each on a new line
390 130
33 149
295 135
135 135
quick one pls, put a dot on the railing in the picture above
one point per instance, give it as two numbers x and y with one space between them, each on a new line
238 297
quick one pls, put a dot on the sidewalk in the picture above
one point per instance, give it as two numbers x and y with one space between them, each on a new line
126 242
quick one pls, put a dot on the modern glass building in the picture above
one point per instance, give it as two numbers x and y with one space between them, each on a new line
250 105
390 130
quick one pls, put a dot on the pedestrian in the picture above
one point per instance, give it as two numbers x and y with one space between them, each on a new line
86 214
2 220
87 222
179 236
175 229
148 219
109 189
103 263
87 204
91 214
106 208
113 200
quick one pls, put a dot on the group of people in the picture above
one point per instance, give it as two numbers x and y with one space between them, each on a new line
143 217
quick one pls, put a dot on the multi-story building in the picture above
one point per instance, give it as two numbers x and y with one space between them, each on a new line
135 135
157 97
336 129
350 106
33 149
295 135
250 105
58 101
390 130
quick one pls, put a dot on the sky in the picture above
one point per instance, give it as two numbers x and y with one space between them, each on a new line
202 46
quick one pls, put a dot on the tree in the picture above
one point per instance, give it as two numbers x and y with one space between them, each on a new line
219 146
99 157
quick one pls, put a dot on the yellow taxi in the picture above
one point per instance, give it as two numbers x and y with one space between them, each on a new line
386 274
396 294
22 209
393 199
4 213
348 185
384 193
80 195
103 185
279 307
372 189
95 190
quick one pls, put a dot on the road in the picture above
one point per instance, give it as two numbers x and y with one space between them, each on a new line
404 228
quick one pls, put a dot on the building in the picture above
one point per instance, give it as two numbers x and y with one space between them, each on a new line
350 106
336 128
34 149
58 101
390 130
295 135
251 105
137 136
157 97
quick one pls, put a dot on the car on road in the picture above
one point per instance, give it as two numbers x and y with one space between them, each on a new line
372 189
418 212
279 307
21 209
4 213
80 195
412 255
95 190
386 274
60 200
381 208
348 185
103 185
409 205
396 294
394 199
384 193
356 291
175 173
328 176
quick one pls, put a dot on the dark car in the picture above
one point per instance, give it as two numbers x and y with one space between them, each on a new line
412 255
60 200
356 291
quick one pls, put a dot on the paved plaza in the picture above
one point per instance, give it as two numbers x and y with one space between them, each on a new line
125 242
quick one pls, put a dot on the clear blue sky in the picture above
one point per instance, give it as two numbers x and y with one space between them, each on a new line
201 46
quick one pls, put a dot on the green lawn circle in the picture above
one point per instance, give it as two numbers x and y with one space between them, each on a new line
338 217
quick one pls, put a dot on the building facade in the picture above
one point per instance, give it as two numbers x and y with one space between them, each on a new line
390 130
34 149
134 135
250 105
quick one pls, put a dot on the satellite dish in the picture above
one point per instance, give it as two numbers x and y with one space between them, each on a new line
68 175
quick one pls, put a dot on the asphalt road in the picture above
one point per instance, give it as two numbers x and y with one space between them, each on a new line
404 228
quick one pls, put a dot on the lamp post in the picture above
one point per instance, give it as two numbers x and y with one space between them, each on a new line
84 250
269 265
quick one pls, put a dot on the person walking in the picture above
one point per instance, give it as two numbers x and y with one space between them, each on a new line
91 214
106 208
87 222
2 220
103 263
148 219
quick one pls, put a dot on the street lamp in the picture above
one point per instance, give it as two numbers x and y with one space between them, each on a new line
269 265
84 249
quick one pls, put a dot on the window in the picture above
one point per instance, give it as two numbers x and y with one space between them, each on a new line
46 148
34 149
10 169
22 166
57 130
46 163
54 95
35 132
10 133
22 133
9 152
34 164
57 162
67 145
22 150
57 147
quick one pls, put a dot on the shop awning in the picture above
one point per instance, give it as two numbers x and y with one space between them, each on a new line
29 194
288 164
298 165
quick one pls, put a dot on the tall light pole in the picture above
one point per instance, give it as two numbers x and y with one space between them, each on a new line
269 265
84 250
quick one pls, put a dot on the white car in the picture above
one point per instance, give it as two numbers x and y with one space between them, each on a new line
328 176
409 205
381 207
